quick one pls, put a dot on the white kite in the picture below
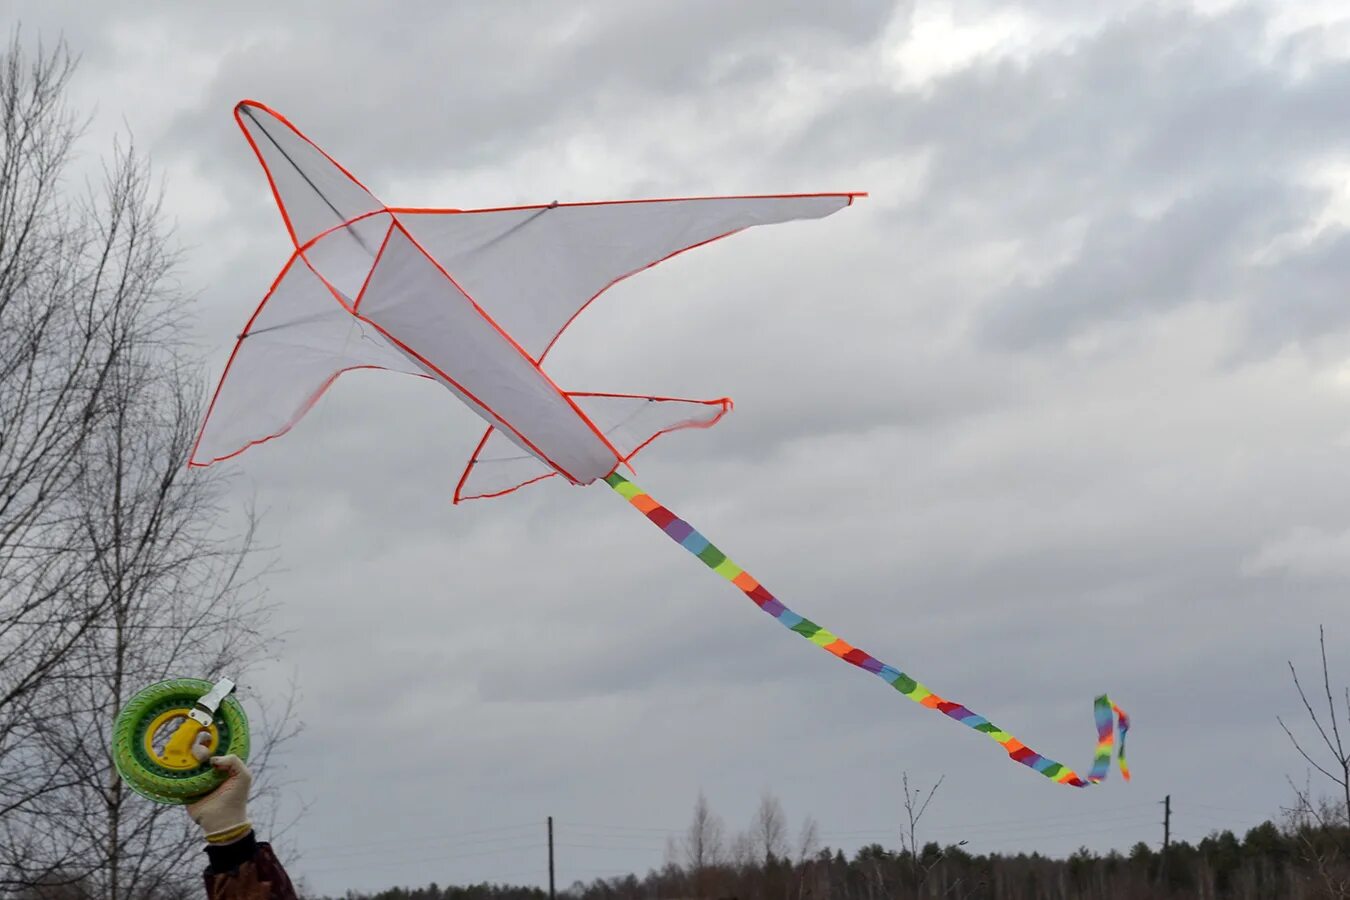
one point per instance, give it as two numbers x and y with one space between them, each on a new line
475 299
472 298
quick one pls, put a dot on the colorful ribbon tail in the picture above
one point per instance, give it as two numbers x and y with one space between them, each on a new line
1106 713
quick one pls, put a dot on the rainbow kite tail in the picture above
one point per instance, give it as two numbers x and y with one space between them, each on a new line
1105 712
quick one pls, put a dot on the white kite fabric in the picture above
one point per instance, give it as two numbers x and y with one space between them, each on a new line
474 299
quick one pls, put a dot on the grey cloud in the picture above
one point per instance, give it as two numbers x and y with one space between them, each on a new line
491 85
1302 298
1129 264
1175 112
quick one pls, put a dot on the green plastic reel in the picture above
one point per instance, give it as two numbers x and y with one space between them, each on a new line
153 734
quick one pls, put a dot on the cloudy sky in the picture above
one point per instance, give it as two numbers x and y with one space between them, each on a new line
1062 407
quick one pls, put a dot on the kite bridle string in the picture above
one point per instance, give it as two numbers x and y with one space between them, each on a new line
1105 712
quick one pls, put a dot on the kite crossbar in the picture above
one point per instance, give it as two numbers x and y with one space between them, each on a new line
1105 712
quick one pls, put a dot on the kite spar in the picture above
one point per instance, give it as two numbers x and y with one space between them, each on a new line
475 300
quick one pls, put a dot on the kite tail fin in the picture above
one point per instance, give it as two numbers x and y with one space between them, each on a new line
632 421
629 423
499 466
1107 713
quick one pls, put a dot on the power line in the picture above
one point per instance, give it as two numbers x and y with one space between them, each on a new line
612 847
1253 812
1025 828
624 827
1064 817
469 833
436 858
426 844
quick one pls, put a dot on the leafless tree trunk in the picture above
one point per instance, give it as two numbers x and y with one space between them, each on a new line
114 568
808 843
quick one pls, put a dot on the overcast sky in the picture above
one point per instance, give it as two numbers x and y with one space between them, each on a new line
1063 407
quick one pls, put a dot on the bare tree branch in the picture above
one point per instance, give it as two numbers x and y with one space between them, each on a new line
1337 767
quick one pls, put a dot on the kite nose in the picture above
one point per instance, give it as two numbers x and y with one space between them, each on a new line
313 192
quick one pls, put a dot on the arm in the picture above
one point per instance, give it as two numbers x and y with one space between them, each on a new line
240 867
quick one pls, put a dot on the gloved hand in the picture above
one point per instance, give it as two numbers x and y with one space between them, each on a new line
223 813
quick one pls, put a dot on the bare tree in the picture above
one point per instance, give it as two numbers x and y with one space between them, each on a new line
768 831
808 844
54 358
704 845
1317 825
1336 764
808 840
741 852
916 804
1315 820
115 570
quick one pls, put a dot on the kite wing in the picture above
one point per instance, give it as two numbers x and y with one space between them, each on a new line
298 342
533 269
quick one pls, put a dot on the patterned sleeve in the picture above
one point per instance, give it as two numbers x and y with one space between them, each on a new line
246 870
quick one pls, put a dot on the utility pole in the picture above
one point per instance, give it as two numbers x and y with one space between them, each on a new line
1167 822
1167 837
551 894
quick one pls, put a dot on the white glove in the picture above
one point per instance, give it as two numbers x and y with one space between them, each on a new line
223 813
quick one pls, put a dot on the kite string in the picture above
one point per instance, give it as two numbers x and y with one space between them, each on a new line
1105 712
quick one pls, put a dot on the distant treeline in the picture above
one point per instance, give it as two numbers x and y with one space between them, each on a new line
1289 863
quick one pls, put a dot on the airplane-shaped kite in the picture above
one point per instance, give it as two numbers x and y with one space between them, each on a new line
472 298
475 299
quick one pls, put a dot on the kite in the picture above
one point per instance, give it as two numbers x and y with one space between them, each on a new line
475 299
